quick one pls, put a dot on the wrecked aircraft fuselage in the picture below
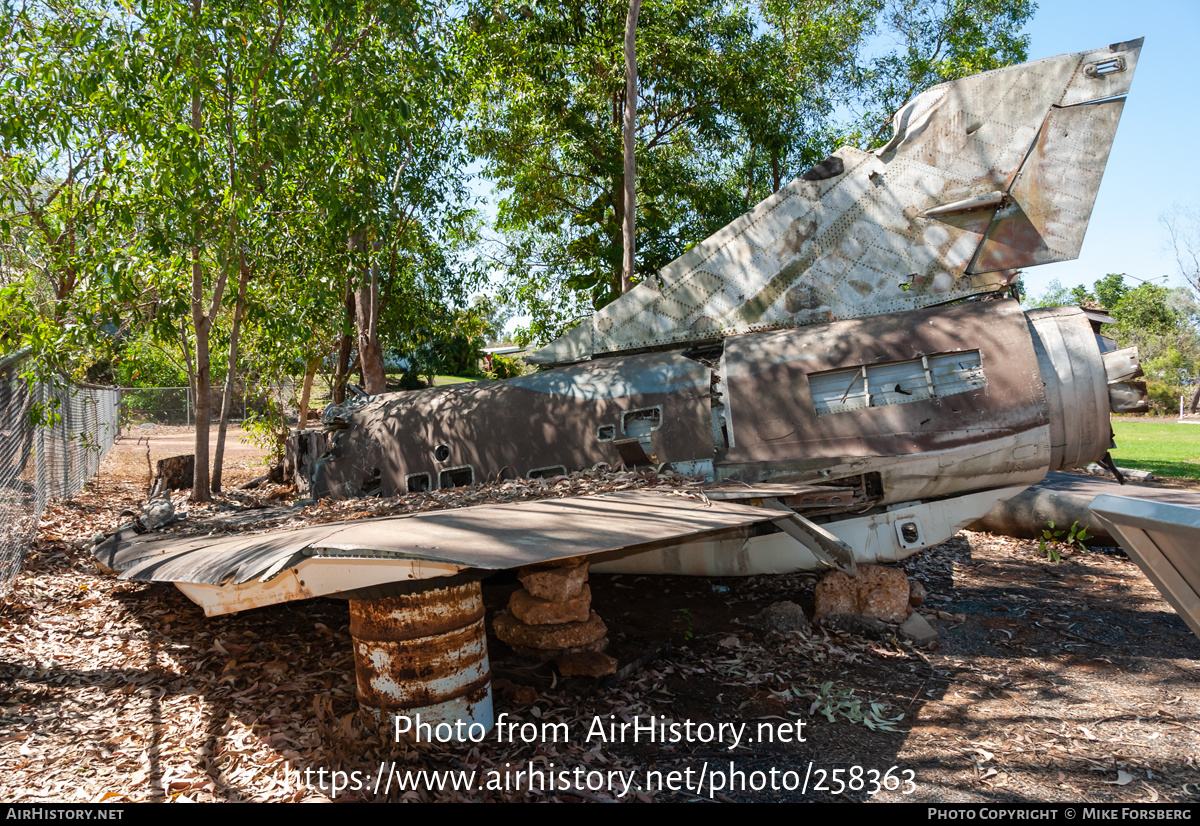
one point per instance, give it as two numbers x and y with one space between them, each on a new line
839 364
904 409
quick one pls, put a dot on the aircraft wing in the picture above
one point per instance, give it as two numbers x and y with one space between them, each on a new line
233 572
982 176
1164 541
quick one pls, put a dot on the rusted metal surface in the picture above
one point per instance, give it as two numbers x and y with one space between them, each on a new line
982 175
424 653
1164 541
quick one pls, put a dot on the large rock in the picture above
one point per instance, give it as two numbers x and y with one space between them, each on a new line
877 592
916 593
783 617
554 581
566 635
918 629
533 611
546 654
586 664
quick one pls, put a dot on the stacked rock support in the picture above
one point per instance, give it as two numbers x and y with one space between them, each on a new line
551 618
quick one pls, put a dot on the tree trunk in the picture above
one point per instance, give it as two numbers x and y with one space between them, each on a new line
200 490
366 308
341 372
1195 399
631 91
227 394
776 172
310 372
200 323
300 459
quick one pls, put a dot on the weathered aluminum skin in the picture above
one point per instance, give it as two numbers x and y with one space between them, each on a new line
507 429
876 537
982 176
1164 541
232 573
424 653
994 436
1076 382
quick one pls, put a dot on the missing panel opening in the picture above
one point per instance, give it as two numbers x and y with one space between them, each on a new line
456 477
639 423
547 472
900 382
418 482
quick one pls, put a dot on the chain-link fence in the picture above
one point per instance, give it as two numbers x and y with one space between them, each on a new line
47 461
177 405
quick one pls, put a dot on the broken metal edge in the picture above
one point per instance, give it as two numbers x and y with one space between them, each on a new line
1164 541
717 551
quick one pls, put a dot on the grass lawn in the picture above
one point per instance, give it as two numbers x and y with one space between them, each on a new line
1162 447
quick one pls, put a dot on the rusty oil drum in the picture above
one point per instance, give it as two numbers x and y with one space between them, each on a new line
424 653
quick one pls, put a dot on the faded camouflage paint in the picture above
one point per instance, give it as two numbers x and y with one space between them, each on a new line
861 234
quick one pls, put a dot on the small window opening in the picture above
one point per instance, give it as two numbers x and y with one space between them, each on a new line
547 472
606 432
441 452
418 482
456 477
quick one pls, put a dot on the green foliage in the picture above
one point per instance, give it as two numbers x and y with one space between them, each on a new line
1051 539
834 702
734 101
1164 398
506 367
689 631
1110 290
268 429
144 363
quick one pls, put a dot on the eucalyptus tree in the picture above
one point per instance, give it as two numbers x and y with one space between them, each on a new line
383 157
211 128
63 68
734 100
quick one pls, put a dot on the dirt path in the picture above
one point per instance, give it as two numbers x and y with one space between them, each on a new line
1071 682
128 460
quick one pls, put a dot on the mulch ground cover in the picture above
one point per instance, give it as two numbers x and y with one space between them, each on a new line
1069 681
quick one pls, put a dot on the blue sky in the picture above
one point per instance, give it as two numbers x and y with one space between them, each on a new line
1155 160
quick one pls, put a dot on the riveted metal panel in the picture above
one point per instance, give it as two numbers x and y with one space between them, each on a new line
1001 419
505 428
864 236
